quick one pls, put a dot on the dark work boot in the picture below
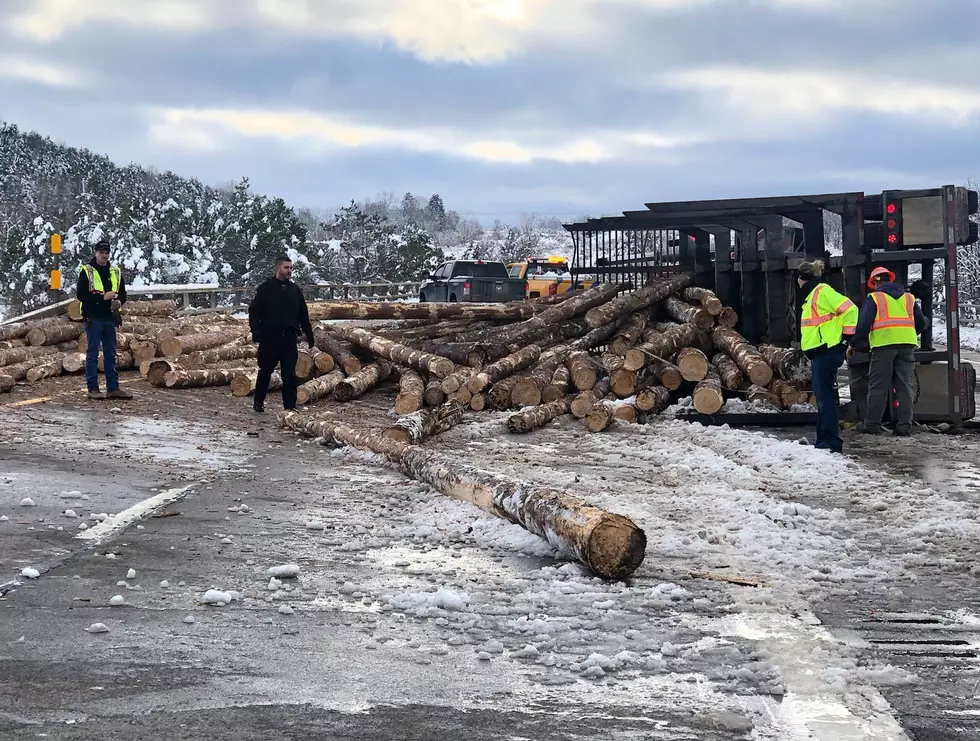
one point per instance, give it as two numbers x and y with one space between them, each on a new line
258 406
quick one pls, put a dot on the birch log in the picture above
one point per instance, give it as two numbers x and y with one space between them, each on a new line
791 365
365 379
534 418
708 398
340 351
560 381
653 399
629 334
506 366
243 384
415 427
729 372
434 395
186 344
683 312
432 365
610 310
661 345
318 388
582 403
411 390
200 378
692 363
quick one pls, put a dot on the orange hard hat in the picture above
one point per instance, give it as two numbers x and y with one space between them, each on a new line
877 272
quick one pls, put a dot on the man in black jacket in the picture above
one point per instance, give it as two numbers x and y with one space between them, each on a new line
99 285
277 316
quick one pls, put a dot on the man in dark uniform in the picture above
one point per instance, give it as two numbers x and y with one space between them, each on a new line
277 317
99 286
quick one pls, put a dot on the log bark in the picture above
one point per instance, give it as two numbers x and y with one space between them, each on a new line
304 365
582 403
124 361
653 399
454 381
629 334
583 370
416 427
537 417
14 344
434 395
661 346
637 300
472 354
611 362
411 390
506 366
746 357
48 369
243 384
684 313
73 362
323 361
143 351
163 307
7 383
666 374
222 353
728 318
200 378
559 314
432 365
340 351
53 334
156 370
730 374
432 311
788 393
561 379
708 397
365 379
791 365
527 392
599 417
611 545
20 354
706 297
499 396
755 393
186 344
319 388
622 383
692 364
597 337
478 403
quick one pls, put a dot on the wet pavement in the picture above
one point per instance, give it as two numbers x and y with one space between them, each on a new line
411 617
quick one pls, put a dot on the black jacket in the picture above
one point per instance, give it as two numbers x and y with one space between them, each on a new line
279 307
93 305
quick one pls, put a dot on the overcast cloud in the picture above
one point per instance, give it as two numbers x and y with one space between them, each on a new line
560 107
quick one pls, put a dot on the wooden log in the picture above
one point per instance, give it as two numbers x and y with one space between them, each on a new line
730 374
157 369
653 399
463 395
706 297
558 315
746 357
666 374
788 393
506 366
304 365
661 345
728 318
143 351
186 344
454 381
361 382
754 393
582 403
561 380
597 337
411 390
243 384
73 362
599 417
629 334
200 378
478 403
626 410
124 361
472 354
14 344
124 341
583 370
18 331
319 388
339 350
500 394
527 392
513 311
534 418
692 364
611 545
53 334
683 312
323 361
708 397
790 364
636 301
622 383
416 427
48 369
232 351
551 336
20 354
394 352
7 383
434 395
161 307
611 362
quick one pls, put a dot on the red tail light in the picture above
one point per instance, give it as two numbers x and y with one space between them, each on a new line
466 285
552 289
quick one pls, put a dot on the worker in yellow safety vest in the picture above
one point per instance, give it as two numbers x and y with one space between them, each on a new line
827 318
889 323
99 285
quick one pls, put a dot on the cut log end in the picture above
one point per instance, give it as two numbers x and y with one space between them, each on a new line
616 547
599 417
708 398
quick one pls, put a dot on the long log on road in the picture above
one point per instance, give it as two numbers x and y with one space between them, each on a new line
243 384
48 369
20 354
611 545
200 378
640 299
397 310
415 427
53 334
395 352
161 307
472 354
506 366
186 344
224 352
411 391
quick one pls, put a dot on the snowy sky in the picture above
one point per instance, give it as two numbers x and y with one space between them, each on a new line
562 107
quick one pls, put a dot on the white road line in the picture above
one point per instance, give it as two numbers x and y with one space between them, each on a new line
110 528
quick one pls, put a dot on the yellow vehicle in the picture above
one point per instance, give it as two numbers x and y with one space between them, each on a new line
546 276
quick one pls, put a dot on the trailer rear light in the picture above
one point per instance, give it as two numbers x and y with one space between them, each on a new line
892 239
466 288
893 220
552 289
892 223
892 208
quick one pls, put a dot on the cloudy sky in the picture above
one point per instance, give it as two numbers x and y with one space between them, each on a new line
560 107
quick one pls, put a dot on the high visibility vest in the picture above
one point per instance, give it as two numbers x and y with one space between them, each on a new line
95 279
826 317
895 321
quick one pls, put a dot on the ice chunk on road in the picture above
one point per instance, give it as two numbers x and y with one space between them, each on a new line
117 601
131 574
30 573
164 584
314 525
286 571
97 628
286 610
26 502
217 597
189 619
70 513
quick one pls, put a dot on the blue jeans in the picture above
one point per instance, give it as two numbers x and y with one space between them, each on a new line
101 332
825 367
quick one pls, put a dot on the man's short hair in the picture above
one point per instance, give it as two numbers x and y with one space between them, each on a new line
281 259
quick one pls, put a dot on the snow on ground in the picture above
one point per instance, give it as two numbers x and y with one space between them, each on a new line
969 336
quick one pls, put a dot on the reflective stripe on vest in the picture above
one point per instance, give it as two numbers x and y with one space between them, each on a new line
895 321
95 279
826 329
